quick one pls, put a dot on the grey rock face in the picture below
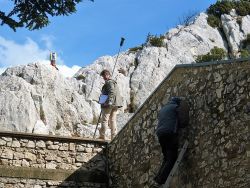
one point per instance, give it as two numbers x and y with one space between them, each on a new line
37 92
232 30
146 68
235 30
34 93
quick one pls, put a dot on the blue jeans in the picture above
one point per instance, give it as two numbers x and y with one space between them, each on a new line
169 146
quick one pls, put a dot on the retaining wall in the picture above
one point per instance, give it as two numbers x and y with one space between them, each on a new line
219 151
28 160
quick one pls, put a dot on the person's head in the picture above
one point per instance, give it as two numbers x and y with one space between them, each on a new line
105 74
177 100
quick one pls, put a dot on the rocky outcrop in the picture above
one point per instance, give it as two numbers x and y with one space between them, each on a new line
34 93
236 29
147 67
38 92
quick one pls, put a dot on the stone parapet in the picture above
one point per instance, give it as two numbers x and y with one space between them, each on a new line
61 160
218 134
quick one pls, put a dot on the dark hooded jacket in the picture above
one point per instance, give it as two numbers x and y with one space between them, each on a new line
168 118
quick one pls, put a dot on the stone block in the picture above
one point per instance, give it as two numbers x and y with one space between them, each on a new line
53 147
17 163
7 154
2 142
29 156
80 148
25 163
18 155
88 150
50 165
64 147
7 139
83 157
40 144
72 147
30 144
16 144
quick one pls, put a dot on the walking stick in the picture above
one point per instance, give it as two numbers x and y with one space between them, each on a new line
97 123
121 43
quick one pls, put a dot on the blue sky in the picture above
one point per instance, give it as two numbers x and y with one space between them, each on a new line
94 30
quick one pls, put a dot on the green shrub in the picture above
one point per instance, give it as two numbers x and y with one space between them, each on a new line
213 21
242 8
221 7
214 55
80 77
244 53
246 42
239 20
156 41
135 49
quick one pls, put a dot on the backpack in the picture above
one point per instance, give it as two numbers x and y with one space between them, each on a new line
183 114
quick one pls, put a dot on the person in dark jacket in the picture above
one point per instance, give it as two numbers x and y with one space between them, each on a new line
167 133
110 106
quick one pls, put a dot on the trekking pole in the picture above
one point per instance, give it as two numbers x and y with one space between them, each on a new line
121 43
97 124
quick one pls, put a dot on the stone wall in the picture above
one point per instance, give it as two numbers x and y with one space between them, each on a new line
218 134
28 160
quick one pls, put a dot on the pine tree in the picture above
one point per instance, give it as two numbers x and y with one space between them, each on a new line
35 14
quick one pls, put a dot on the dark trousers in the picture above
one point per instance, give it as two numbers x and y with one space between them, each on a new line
169 146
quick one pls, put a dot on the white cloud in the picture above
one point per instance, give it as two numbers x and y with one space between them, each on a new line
13 54
68 71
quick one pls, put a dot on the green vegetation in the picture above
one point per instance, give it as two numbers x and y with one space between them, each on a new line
156 41
246 42
35 14
80 77
135 49
214 55
245 51
213 21
215 11
243 7
152 40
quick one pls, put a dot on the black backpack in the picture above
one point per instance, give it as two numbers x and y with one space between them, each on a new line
183 114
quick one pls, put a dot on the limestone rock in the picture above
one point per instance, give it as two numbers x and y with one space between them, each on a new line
232 30
40 128
36 92
36 98
245 24
235 31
